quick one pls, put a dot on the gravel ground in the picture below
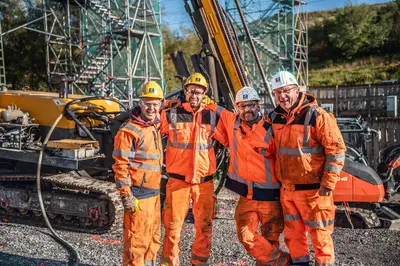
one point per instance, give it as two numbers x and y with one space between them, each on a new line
26 245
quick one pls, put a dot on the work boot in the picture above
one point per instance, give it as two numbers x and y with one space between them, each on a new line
299 264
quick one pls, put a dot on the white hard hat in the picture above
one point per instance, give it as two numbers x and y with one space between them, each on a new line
282 79
247 94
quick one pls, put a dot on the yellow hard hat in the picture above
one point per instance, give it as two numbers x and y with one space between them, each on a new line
196 79
151 90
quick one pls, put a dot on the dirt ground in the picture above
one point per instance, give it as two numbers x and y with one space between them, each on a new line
26 245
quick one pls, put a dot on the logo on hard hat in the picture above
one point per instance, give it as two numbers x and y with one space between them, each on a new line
278 79
151 90
198 79
245 96
291 79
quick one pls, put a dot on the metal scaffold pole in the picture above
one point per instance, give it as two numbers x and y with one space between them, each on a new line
106 47
2 64
278 29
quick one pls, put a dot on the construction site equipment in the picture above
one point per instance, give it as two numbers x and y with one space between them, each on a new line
78 189
371 197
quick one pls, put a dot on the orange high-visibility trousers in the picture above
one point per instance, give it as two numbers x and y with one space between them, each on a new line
306 211
176 206
264 248
142 233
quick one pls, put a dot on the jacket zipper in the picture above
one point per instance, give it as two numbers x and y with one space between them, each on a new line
143 181
157 146
155 139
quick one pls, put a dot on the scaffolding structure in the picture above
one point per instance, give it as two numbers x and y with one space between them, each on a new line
101 47
2 65
279 32
108 46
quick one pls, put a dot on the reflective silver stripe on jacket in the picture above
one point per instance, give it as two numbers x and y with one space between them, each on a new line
124 153
134 129
174 119
188 146
147 156
123 182
335 157
301 151
145 166
333 168
318 224
292 217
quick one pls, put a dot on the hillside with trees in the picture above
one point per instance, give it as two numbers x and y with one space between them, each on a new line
355 44
350 45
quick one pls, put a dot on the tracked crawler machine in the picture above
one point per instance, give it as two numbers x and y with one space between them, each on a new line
76 188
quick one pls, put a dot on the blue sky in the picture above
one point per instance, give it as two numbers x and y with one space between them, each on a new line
175 15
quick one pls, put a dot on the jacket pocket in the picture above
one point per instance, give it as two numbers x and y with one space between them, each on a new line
325 202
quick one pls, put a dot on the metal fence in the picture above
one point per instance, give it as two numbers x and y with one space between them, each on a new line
389 134
365 100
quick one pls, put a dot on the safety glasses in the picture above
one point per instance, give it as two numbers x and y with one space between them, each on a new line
284 92
195 92
248 105
150 105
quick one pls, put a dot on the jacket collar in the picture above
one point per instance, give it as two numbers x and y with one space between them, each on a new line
304 101
189 109
135 116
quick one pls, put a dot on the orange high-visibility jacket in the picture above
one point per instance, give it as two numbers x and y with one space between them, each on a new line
310 146
251 171
190 154
138 155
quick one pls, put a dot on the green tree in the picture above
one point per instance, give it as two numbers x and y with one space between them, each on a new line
23 49
394 44
188 43
358 29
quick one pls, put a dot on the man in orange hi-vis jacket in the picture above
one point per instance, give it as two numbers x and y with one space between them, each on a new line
138 160
190 164
310 157
251 174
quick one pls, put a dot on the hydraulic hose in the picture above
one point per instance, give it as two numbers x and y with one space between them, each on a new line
74 255
391 168
74 258
72 115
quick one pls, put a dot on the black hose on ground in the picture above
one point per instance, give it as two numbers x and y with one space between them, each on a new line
74 258
74 255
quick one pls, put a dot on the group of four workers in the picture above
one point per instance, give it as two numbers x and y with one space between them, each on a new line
283 167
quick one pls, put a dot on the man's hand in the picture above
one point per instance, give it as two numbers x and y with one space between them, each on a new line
323 191
130 203
174 103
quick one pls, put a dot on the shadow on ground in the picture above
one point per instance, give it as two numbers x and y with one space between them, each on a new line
15 260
